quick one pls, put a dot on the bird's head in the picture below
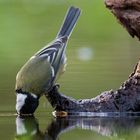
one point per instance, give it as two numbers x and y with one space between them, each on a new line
26 103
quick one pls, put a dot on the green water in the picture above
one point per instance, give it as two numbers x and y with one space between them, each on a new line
100 54
44 127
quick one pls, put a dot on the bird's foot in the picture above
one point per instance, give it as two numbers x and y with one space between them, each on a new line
57 85
60 114
54 89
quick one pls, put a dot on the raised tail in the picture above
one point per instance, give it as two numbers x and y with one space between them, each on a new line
69 22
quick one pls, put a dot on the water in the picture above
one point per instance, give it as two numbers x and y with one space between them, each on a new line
100 54
44 127
101 114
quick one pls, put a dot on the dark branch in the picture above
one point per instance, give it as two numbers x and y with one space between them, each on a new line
125 99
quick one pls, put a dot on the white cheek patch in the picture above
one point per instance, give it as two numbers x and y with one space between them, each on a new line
20 101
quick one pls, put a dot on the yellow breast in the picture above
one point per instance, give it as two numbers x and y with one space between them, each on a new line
34 76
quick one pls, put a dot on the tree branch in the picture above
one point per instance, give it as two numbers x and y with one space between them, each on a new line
125 99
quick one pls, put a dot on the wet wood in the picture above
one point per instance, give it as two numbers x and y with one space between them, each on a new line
125 99
128 14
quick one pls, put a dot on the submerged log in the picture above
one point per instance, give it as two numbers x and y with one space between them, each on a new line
128 13
125 99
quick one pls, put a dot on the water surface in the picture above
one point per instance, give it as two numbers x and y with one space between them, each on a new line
45 127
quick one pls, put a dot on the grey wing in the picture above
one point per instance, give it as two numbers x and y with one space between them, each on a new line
54 53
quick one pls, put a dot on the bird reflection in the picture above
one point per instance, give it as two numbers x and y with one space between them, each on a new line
27 128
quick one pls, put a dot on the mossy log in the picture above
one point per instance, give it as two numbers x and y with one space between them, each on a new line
125 99
128 13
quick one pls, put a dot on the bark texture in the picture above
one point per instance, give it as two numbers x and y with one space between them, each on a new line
125 99
128 13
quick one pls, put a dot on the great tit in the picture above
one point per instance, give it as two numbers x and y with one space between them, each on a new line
41 71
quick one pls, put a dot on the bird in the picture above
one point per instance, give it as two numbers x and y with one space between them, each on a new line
38 75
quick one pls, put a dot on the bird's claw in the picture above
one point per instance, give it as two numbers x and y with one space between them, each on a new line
57 86
54 88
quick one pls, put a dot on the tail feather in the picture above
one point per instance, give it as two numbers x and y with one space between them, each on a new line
69 22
